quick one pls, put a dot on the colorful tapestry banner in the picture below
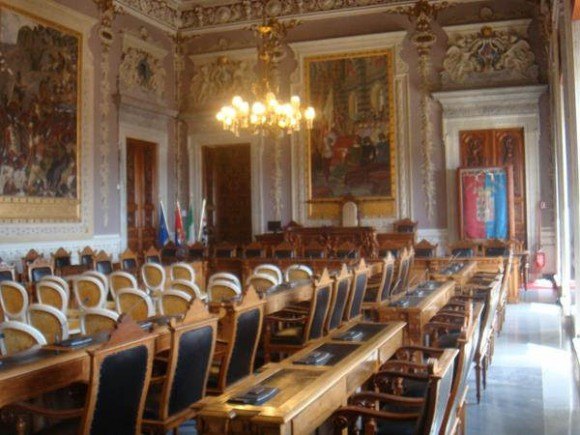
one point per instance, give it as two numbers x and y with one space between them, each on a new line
484 201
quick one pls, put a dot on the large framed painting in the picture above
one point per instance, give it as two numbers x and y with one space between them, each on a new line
40 91
351 149
486 203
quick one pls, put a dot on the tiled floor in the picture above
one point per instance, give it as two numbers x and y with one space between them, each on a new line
531 388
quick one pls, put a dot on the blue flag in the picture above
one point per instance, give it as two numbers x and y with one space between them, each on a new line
163 234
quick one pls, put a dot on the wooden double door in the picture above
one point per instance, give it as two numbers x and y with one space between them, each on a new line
500 147
228 191
141 194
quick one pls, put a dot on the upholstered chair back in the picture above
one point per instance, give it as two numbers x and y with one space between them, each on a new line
342 286
298 272
221 276
262 282
50 293
174 303
269 269
220 290
95 320
18 336
89 292
135 303
357 294
51 322
153 276
388 278
120 280
182 271
319 310
188 287
14 300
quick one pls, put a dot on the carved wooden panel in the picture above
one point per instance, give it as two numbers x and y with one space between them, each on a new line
500 147
227 187
141 194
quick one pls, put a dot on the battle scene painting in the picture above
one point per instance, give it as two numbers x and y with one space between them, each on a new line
39 109
351 149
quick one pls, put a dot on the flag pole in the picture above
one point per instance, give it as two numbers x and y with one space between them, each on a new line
201 216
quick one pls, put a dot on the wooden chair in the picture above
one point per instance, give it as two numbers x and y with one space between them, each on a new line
503 293
152 255
51 322
405 226
236 349
87 257
57 280
224 250
7 272
95 320
182 271
169 253
357 293
104 263
61 258
18 336
338 302
38 269
379 293
298 272
392 413
314 250
262 282
174 303
14 301
221 290
52 294
129 261
271 270
496 248
120 280
289 330
425 249
153 276
134 302
197 251
284 250
347 251
120 371
225 276
27 260
100 276
463 249
401 284
254 250
188 287
172 397
89 292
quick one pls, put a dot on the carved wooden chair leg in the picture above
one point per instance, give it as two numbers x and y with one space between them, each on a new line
478 380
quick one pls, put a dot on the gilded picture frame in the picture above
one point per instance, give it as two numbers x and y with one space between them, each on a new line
351 151
40 122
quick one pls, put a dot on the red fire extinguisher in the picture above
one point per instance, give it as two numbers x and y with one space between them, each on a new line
540 255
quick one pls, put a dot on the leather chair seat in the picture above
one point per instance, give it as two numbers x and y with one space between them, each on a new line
293 335
65 427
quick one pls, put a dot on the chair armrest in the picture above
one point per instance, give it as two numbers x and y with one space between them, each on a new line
352 412
64 414
388 398
432 351
412 367
382 374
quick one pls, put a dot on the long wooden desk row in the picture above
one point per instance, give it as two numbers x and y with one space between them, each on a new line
483 264
308 395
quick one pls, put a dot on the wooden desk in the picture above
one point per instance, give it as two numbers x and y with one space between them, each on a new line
461 277
279 299
308 395
418 310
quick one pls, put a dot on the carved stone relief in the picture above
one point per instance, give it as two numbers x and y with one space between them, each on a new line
220 79
142 70
489 57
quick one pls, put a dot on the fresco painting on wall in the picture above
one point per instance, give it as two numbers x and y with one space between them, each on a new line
39 119
351 148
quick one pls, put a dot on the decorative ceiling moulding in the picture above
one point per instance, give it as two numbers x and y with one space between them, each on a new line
141 66
209 16
495 54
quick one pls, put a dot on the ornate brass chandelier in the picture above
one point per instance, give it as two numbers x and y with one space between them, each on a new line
266 114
